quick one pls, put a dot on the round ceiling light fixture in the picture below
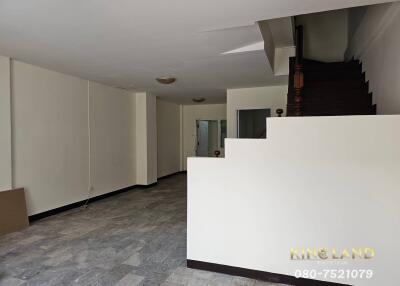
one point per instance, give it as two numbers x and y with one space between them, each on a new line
198 99
166 79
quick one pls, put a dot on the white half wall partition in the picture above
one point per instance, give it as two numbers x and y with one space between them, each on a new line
269 97
316 182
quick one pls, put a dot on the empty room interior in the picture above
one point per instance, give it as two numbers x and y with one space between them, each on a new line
199 142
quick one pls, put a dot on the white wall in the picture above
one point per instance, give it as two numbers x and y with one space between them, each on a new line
376 42
355 16
146 138
51 159
190 114
315 182
168 138
325 35
282 56
52 115
278 43
113 152
269 45
272 97
5 125
61 123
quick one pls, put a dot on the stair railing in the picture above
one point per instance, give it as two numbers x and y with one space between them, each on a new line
299 75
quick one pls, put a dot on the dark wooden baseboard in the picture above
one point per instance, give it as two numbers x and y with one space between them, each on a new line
256 274
55 211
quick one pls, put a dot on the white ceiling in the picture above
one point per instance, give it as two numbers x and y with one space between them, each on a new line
129 43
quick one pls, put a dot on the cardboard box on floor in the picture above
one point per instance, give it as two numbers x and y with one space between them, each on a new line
13 214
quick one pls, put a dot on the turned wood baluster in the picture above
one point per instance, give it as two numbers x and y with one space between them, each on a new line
298 87
299 75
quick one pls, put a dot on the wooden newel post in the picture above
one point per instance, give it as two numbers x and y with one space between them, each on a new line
279 111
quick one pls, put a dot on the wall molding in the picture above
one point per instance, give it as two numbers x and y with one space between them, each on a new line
256 274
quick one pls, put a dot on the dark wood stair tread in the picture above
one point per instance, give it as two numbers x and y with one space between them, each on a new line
330 89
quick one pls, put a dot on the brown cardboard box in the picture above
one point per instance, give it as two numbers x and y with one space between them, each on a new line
13 214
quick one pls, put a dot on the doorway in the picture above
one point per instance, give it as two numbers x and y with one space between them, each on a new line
210 137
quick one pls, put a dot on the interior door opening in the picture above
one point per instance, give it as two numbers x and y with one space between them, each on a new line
210 138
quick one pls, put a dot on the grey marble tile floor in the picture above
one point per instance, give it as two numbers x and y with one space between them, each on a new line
134 238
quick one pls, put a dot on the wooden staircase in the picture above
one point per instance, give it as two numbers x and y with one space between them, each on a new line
327 89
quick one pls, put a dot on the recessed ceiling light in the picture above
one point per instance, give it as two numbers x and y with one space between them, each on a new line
198 99
166 79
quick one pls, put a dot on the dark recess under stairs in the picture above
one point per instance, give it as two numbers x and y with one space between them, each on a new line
331 89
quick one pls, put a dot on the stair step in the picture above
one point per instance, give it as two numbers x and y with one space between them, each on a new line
313 63
334 67
332 89
374 109
333 75
328 93
335 84
317 90
335 107
344 105
338 94
336 103
332 112
341 96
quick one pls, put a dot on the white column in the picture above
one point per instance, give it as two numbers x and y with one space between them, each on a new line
5 125
146 139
